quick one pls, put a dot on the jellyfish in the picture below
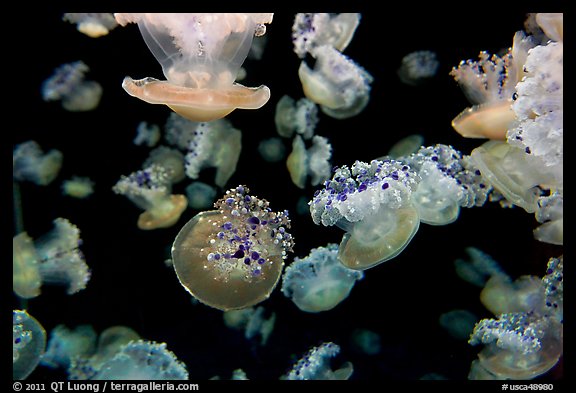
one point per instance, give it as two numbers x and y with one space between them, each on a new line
458 323
500 295
313 162
69 86
54 258
406 146
272 149
295 116
171 159
315 365
29 163
216 144
372 203
490 85
339 85
252 321
28 344
319 282
479 268
65 344
232 257
149 189
311 30
78 187
147 134
200 55
92 24
366 341
200 195
418 66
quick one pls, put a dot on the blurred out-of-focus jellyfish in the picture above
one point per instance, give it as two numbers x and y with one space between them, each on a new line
92 24
29 163
366 341
295 116
150 190
311 30
53 259
68 85
478 268
200 195
147 134
142 360
252 321
490 85
216 144
406 146
319 282
418 66
313 162
339 85
28 344
65 345
200 55
171 159
372 203
315 365
458 323
552 24
500 295
272 149
232 257
78 187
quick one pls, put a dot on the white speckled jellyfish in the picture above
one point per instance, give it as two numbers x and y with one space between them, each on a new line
171 159
53 259
147 134
339 85
319 282
418 66
232 257
216 144
200 195
78 187
200 55
28 344
29 163
92 24
272 149
313 162
372 203
315 365
68 85
311 30
65 345
296 116
150 190
490 85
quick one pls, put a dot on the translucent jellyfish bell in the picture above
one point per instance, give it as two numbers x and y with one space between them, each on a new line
232 258
200 55
28 344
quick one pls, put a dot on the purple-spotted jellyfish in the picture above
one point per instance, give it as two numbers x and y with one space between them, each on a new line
526 340
299 117
78 187
29 163
313 162
339 85
272 149
252 321
28 344
232 257
200 55
417 67
216 144
66 344
171 159
315 365
150 190
92 24
53 259
311 30
69 86
372 203
147 134
319 282
200 195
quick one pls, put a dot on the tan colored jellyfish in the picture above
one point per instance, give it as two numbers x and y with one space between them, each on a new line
232 258
200 55
313 162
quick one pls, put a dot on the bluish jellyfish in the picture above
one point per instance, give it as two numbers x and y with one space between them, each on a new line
147 134
232 257
366 341
252 321
319 282
272 149
315 365
200 55
68 85
200 195
28 344
66 344
418 66
458 323
29 163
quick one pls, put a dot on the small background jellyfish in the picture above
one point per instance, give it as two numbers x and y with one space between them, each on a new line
29 163
296 116
313 162
252 321
272 149
92 24
68 85
417 67
319 282
200 195
78 187
147 134
315 365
